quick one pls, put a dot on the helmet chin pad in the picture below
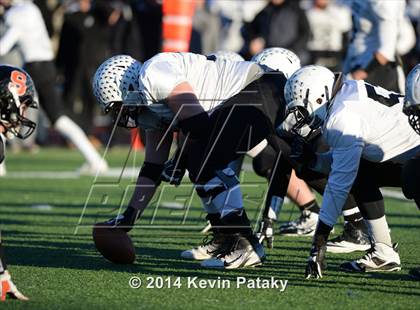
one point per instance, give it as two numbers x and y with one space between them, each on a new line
303 123
124 115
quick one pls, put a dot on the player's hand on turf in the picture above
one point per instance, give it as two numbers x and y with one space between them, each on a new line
171 173
266 232
126 220
316 262
9 289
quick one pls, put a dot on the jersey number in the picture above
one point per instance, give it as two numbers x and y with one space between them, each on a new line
382 96
18 80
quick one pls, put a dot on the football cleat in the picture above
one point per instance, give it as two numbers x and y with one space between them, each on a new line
209 248
88 169
305 225
379 258
266 232
352 239
415 273
241 254
9 289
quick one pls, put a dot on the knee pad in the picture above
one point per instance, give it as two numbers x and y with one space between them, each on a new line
222 193
410 176
263 162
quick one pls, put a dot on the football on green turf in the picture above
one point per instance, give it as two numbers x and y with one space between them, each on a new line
114 244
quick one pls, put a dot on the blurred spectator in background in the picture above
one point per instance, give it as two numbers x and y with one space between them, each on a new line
406 41
25 28
330 25
282 23
148 13
372 54
233 14
14 55
413 57
125 35
47 8
206 29
84 44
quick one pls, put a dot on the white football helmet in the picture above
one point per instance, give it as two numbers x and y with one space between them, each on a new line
278 59
114 79
307 92
227 55
412 98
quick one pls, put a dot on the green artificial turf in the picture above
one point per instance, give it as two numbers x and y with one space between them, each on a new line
53 260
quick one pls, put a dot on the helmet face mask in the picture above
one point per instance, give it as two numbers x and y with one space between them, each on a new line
308 93
124 115
412 98
413 113
300 117
301 122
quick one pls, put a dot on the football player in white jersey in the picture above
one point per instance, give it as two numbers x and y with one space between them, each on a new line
264 157
26 29
354 236
223 109
369 139
372 53
277 59
411 170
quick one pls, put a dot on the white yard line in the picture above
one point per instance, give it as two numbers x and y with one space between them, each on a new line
132 173
111 173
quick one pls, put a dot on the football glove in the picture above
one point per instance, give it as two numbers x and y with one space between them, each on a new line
316 262
171 173
126 220
266 232
9 289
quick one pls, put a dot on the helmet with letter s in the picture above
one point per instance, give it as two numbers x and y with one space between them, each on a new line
412 98
308 93
17 94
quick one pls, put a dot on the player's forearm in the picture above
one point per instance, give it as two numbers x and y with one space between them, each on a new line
332 205
345 164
